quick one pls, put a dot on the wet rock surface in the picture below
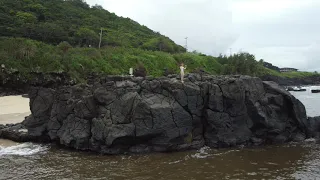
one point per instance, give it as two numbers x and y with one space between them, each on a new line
14 132
114 115
314 127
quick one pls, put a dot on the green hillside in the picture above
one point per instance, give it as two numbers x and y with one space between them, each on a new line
25 55
74 21
63 35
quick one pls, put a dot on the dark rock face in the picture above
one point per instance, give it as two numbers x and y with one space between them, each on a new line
116 115
15 83
314 127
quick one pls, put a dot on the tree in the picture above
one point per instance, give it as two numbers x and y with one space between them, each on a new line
64 46
96 6
241 63
159 44
36 8
86 36
50 32
75 21
25 17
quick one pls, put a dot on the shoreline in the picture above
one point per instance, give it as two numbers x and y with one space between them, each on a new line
13 110
4 143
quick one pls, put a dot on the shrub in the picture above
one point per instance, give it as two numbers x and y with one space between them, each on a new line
140 71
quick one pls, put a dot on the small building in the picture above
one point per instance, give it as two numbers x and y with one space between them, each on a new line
288 69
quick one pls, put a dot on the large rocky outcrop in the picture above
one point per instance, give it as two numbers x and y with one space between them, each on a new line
122 114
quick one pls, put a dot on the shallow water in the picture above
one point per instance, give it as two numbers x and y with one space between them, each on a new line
290 161
274 162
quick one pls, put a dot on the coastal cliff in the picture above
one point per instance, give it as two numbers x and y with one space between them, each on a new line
114 115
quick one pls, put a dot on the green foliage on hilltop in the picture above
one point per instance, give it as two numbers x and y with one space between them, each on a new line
195 63
241 63
74 21
25 56
294 74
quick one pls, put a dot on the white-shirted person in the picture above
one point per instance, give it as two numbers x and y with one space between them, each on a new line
182 68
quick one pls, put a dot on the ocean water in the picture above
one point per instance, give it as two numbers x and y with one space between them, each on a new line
310 100
290 161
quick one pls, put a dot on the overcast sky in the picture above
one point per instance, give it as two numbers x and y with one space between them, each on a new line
283 32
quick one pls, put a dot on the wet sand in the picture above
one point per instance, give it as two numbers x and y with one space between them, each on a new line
13 109
7 143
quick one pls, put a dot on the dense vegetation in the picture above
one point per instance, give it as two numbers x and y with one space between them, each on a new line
25 55
63 36
74 21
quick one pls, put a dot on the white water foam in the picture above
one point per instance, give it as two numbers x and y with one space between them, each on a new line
202 153
310 140
25 149
175 162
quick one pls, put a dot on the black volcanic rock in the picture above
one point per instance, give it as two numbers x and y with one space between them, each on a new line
16 83
115 115
314 127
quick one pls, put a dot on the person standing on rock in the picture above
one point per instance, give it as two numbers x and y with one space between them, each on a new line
182 68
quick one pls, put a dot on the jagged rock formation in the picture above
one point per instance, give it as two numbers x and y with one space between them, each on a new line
17 83
121 114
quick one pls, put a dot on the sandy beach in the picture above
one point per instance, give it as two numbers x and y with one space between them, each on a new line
13 109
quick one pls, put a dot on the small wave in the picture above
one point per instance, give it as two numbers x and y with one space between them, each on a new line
311 140
25 149
202 153
252 173
226 152
175 162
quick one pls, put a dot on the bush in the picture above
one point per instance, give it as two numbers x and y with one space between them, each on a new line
64 46
27 56
140 71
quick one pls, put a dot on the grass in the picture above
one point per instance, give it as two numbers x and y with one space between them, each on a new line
25 56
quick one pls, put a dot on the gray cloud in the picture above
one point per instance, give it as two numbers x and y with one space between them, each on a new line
285 33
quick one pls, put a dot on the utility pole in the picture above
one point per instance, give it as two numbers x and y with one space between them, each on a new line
230 51
186 43
100 38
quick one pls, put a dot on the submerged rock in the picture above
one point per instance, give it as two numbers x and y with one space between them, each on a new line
15 132
117 115
314 127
